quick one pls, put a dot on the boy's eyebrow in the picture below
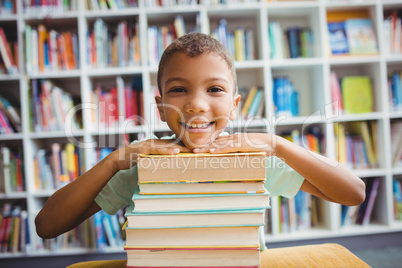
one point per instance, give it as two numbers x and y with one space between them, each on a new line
179 79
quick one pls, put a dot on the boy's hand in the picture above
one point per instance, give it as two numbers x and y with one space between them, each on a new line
244 142
126 157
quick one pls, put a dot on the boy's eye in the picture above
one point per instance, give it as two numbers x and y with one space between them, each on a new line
177 89
215 89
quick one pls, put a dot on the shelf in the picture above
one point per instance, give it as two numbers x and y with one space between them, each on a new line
345 60
56 74
310 77
298 62
371 172
9 77
111 13
112 71
358 117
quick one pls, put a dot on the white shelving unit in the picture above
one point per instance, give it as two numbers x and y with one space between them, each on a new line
311 75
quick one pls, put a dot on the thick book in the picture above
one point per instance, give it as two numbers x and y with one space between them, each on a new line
202 218
190 202
194 257
201 237
357 94
207 187
201 167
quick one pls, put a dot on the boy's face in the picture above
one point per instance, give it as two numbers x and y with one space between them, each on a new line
197 98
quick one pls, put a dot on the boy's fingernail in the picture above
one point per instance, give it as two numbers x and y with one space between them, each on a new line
196 149
212 150
176 150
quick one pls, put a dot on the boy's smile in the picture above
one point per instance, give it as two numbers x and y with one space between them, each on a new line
197 97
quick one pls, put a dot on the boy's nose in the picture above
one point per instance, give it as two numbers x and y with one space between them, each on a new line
196 104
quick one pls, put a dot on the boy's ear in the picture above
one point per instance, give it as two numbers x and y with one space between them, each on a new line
158 100
236 101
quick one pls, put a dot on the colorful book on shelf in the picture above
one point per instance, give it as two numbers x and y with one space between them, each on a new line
12 113
275 39
366 208
338 40
397 198
189 202
255 104
207 218
193 257
336 94
214 167
6 55
395 82
357 94
361 36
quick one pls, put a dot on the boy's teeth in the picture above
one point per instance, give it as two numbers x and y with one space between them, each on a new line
198 125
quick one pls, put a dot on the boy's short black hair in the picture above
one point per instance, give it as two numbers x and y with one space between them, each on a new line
193 45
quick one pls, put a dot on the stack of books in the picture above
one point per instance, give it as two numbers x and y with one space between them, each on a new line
197 210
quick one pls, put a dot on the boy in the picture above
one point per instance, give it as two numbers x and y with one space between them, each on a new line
197 82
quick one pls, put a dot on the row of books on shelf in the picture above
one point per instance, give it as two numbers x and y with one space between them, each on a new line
50 50
392 32
111 4
10 118
7 7
8 54
12 177
169 3
51 108
362 214
351 33
395 90
14 229
285 97
113 47
298 213
252 103
397 198
239 43
356 144
159 37
312 139
351 94
202 224
108 113
58 166
293 42
49 6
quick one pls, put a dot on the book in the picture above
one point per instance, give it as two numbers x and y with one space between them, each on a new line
357 94
206 187
338 40
248 101
214 167
252 217
194 237
365 210
361 36
6 55
199 257
336 94
189 202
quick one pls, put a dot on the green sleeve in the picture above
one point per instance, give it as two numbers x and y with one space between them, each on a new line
281 179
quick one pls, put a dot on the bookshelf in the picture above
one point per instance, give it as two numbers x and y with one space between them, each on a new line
310 76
